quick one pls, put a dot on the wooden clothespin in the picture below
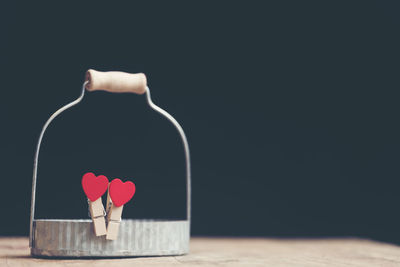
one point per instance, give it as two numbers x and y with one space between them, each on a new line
94 187
119 193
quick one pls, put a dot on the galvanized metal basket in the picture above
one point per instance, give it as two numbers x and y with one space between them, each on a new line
76 238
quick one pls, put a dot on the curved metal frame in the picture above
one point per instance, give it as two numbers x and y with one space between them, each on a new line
75 102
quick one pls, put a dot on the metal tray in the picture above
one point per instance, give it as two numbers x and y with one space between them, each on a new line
75 238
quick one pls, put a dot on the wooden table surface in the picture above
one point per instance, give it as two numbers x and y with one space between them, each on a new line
233 252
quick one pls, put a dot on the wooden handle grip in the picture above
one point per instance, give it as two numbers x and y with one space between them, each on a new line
116 82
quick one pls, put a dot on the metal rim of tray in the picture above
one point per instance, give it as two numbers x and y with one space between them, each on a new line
75 238
38 235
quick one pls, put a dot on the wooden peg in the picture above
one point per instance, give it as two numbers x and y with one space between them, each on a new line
112 230
114 215
118 194
94 187
109 201
99 225
96 209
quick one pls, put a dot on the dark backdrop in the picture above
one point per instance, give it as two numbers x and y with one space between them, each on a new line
291 111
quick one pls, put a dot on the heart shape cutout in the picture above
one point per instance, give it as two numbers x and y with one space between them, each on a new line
120 192
94 186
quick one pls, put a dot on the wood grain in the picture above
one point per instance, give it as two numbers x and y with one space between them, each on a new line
233 252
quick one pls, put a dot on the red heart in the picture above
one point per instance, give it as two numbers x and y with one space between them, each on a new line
94 187
120 192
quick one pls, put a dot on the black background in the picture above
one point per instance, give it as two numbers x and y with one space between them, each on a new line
290 108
